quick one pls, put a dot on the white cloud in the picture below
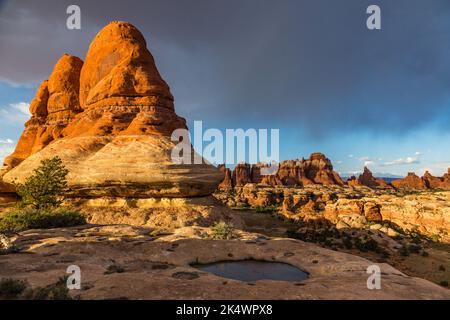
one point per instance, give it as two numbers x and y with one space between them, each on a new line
350 155
6 141
5 150
438 168
15 112
368 163
403 161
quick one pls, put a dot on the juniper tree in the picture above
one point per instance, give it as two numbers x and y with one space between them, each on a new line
44 188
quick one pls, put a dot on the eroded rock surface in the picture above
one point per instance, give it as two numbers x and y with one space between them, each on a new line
159 268
425 212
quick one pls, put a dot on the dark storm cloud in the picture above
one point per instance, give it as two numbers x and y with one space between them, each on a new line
310 65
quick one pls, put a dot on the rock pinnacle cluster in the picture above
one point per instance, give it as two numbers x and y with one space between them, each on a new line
109 119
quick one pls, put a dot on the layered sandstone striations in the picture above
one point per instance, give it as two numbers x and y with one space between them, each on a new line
114 137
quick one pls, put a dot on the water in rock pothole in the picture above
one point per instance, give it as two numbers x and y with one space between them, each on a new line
254 270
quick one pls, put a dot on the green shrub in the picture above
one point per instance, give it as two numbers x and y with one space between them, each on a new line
222 230
40 219
11 288
55 291
44 188
18 289
404 251
364 246
348 243
444 283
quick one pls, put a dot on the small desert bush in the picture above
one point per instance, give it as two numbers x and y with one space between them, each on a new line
55 291
25 219
19 289
41 196
44 189
222 230
11 288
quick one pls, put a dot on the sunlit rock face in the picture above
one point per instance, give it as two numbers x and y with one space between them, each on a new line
110 120
55 104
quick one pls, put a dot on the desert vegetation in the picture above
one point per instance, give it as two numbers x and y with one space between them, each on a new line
42 195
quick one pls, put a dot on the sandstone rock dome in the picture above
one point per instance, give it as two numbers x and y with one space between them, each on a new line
110 121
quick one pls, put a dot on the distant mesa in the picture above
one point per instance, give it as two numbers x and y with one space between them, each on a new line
319 170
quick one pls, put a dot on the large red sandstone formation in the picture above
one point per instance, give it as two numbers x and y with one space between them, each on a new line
368 180
121 89
110 121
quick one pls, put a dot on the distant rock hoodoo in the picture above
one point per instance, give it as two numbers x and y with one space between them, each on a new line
315 170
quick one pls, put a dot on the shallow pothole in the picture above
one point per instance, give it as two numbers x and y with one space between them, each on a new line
254 270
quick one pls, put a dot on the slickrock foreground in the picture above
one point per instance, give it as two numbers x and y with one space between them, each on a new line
159 268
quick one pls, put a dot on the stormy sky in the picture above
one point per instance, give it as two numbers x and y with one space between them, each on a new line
311 68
